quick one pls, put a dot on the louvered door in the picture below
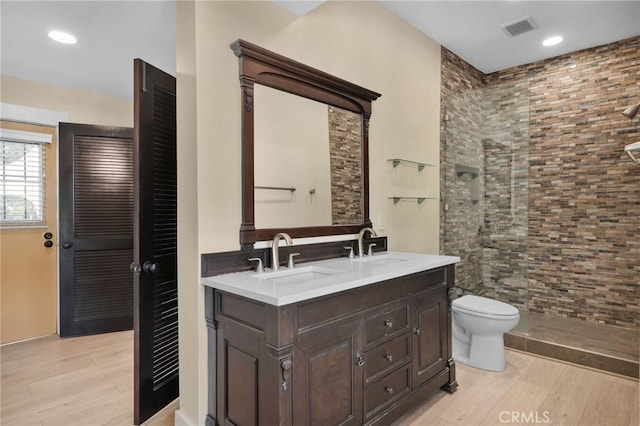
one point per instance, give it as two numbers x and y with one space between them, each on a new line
155 242
96 229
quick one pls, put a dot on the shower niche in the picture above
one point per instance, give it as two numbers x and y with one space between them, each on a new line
470 175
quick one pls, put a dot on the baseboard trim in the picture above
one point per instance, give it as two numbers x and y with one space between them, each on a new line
180 419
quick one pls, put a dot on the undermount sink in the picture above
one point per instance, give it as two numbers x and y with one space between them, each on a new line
380 259
300 273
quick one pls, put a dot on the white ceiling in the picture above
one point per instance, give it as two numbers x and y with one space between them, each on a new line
471 29
112 33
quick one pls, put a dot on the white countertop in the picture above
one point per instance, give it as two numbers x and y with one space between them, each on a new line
314 279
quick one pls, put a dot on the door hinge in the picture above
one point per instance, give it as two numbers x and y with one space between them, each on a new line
144 77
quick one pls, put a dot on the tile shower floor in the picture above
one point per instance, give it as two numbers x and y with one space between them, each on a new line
600 346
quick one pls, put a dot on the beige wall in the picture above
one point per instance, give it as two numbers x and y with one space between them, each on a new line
192 330
82 107
359 41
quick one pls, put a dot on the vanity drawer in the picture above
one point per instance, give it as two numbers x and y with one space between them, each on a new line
392 321
386 357
388 387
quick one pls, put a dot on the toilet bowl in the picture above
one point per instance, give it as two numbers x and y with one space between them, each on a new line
479 325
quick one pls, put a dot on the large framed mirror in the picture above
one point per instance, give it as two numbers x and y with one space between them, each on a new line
305 168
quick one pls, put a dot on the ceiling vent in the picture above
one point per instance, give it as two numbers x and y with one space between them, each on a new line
520 26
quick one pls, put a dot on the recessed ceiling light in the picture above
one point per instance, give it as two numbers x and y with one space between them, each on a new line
551 41
62 37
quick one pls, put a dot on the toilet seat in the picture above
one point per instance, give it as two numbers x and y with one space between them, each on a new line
481 306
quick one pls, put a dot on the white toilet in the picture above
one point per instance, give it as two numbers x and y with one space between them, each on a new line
479 324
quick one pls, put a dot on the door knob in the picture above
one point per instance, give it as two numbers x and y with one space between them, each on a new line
67 245
135 268
150 267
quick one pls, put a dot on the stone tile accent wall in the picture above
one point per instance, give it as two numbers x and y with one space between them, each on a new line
584 192
345 130
582 244
461 121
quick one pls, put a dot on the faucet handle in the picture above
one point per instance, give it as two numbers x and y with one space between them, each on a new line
259 267
351 256
370 252
290 263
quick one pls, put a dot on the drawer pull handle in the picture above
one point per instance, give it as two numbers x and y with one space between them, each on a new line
416 331
360 361
388 323
389 357
388 389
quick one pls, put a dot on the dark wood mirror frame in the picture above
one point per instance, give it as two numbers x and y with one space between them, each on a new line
261 66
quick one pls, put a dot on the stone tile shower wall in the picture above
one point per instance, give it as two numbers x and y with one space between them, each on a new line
461 218
582 253
345 134
584 192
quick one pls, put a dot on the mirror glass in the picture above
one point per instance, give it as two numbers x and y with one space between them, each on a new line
307 162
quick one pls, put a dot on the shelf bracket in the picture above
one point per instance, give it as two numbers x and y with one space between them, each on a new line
396 162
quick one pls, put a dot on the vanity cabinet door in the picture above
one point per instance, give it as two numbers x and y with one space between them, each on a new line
328 375
241 367
429 345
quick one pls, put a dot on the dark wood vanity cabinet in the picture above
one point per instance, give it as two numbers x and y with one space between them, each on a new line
362 356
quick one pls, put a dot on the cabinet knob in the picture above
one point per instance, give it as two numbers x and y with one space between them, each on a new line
360 361
388 323
389 357
388 389
416 331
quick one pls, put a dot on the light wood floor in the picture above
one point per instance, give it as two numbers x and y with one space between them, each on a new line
533 390
76 381
88 381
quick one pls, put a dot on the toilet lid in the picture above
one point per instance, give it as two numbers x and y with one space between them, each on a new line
482 305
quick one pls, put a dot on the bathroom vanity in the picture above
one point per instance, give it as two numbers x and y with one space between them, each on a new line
337 341
333 339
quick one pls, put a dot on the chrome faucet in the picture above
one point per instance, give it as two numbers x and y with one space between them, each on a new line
361 238
275 256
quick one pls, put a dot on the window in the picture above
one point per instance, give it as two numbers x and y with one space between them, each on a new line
22 189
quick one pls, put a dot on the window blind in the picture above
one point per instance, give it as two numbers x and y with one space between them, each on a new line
22 189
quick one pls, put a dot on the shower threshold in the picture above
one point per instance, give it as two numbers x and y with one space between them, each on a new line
603 347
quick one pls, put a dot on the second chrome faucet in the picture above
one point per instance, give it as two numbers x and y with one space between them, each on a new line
361 234
275 255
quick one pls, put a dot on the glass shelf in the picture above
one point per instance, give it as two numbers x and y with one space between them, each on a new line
420 200
420 166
